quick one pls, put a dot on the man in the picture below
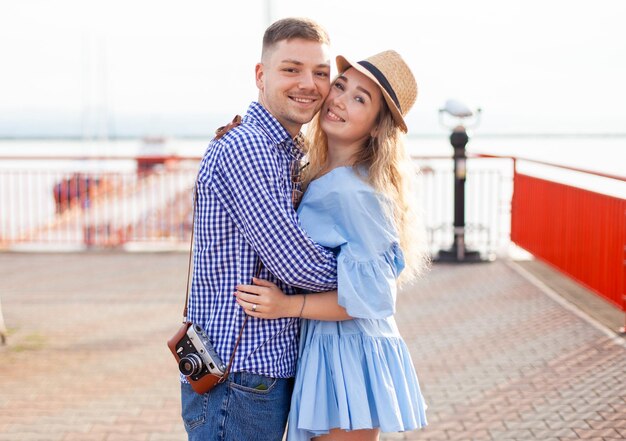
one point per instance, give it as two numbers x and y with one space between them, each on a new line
244 214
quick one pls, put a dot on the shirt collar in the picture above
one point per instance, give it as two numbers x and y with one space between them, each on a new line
260 116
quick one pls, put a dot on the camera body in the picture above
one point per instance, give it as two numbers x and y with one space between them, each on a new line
197 359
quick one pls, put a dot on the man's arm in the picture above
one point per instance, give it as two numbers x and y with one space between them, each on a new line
247 181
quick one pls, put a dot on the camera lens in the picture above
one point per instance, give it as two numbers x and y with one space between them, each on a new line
190 365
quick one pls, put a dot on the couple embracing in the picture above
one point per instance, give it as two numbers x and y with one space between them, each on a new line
311 291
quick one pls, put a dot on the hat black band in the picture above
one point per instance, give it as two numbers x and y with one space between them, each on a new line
382 80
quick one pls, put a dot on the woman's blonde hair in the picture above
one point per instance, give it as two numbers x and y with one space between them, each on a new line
391 172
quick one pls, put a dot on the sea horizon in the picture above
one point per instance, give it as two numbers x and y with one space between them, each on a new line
603 153
76 137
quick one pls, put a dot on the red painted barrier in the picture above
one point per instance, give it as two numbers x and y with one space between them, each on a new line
580 232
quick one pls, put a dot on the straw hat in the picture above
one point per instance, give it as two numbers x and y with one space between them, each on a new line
389 71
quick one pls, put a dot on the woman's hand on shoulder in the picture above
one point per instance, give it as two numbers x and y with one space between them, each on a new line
265 300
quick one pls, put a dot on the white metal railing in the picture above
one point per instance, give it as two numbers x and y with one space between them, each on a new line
140 201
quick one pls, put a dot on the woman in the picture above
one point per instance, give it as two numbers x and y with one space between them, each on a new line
355 376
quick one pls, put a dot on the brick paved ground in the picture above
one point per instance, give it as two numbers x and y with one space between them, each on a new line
497 358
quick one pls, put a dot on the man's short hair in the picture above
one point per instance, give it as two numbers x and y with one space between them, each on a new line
288 28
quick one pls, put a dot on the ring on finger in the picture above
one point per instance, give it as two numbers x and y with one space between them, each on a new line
254 305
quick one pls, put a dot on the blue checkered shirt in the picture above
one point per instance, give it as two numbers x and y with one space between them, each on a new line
244 212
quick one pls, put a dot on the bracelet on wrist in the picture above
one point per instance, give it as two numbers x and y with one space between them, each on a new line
303 303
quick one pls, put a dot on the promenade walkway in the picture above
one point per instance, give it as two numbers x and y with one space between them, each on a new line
498 358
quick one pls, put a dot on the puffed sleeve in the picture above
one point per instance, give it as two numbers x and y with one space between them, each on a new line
366 284
370 261
352 218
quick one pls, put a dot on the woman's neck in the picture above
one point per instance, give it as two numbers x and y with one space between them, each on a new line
341 155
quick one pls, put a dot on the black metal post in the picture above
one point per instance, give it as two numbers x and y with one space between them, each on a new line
458 252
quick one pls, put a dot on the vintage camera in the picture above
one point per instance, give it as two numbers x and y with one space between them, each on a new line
197 359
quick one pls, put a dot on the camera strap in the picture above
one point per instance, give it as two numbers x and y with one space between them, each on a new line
185 310
218 134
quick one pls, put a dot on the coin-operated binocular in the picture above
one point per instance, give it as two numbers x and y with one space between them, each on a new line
458 117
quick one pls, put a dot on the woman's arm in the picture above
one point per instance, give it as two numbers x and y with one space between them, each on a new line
272 303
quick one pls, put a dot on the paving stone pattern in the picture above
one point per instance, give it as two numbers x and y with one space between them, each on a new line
497 358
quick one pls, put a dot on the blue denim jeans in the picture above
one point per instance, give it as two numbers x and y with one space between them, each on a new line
246 407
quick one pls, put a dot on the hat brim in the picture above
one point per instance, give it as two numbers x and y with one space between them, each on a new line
343 64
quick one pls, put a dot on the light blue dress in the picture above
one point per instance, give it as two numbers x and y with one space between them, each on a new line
354 374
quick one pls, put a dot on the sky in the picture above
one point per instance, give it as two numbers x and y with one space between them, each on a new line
154 66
